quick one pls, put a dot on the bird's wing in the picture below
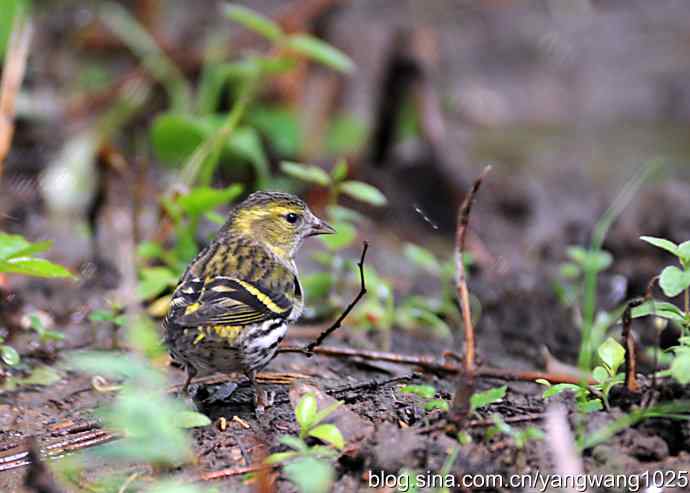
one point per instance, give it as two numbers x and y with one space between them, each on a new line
229 301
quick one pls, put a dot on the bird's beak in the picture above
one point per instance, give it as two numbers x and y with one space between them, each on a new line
321 227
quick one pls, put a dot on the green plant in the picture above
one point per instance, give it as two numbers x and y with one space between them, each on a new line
670 410
305 466
440 310
487 397
17 256
151 422
186 212
673 281
477 401
520 436
589 398
201 138
428 394
579 277
44 334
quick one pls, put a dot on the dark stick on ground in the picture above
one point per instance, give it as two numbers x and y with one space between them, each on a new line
38 478
631 383
649 296
309 348
465 386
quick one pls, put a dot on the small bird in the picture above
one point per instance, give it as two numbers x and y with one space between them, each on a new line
234 303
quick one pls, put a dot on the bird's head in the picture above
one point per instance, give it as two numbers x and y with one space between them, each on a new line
281 221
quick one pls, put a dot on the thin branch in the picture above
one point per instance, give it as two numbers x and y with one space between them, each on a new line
12 76
465 386
430 363
310 348
630 351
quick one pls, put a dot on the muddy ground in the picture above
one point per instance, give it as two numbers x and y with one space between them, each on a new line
538 92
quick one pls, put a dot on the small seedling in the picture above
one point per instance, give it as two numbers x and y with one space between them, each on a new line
428 394
306 466
520 436
612 355
44 334
673 281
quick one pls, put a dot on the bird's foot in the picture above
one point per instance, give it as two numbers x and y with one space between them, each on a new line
221 393
264 400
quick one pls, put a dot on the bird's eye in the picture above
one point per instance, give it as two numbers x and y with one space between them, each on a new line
291 217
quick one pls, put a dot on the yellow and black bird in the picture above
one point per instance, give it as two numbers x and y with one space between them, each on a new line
235 301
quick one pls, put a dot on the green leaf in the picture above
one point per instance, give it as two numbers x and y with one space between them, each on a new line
423 391
306 172
321 52
329 434
149 250
662 243
279 457
339 171
346 135
306 410
280 125
482 399
561 387
325 412
464 438
684 253
294 443
253 21
363 192
612 354
600 374
345 234
204 199
17 246
595 260
569 270
680 367
175 136
310 475
657 308
422 257
317 285
11 9
191 419
9 355
436 404
154 280
590 406
36 267
673 281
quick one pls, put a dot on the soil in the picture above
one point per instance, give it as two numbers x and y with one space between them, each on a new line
545 193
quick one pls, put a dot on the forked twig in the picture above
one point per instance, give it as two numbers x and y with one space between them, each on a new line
309 348
465 386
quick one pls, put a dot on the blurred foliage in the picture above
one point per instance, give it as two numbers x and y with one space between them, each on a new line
17 256
11 9
150 421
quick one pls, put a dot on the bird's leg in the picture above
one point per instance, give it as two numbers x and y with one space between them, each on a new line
191 373
262 398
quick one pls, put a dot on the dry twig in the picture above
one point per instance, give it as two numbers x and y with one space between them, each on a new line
12 76
631 383
465 386
309 349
